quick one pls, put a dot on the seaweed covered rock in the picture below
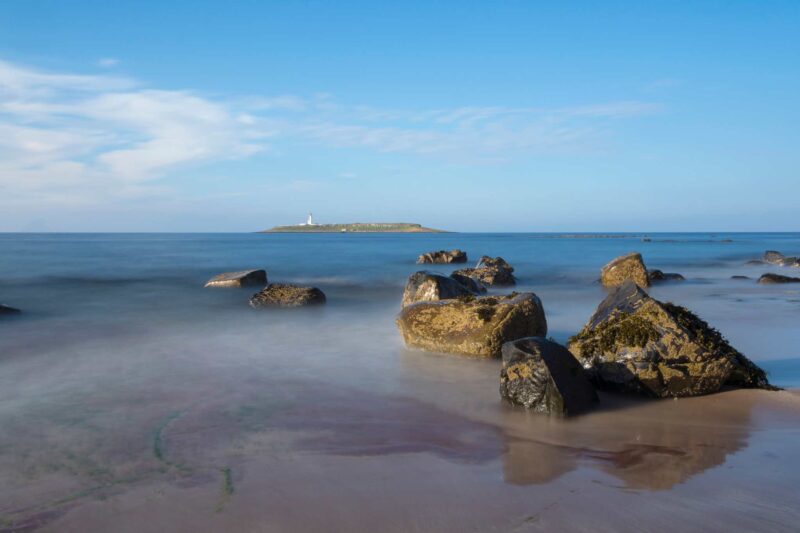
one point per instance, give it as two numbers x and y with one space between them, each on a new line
424 286
490 271
8 310
473 326
624 268
656 275
443 257
284 295
777 278
636 343
242 278
544 376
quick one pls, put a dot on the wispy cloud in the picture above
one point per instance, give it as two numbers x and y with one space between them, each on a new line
69 136
107 62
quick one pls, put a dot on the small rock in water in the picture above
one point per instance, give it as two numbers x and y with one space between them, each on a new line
443 257
8 310
777 278
545 377
624 268
284 295
424 286
242 278
658 275
472 326
740 277
636 343
776 258
490 271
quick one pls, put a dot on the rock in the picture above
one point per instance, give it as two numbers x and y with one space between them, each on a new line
657 275
490 271
647 239
473 326
636 343
772 257
544 376
426 286
8 310
623 268
283 295
470 283
755 262
739 277
777 278
443 256
242 278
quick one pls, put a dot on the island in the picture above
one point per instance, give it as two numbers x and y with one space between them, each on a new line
356 227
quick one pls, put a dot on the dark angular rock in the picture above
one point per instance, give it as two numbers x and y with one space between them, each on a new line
636 343
544 376
740 277
284 295
470 283
490 271
8 310
424 286
658 275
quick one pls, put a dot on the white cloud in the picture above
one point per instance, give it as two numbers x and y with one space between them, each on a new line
107 62
76 137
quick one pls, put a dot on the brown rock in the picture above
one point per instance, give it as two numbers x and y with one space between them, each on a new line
777 278
426 286
283 295
242 278
623 268
490 271
443 257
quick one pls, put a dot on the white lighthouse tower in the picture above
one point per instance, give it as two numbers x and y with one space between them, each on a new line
309 222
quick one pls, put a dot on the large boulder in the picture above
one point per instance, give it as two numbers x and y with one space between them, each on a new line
472 326
490 271
624 268
427 286
634 342
443 257
8 310
544 376
241 278
284 295
777 278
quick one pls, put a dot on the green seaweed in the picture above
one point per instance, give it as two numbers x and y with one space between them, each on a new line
226 491
624 330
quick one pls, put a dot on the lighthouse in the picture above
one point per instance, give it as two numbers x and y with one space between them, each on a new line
309 222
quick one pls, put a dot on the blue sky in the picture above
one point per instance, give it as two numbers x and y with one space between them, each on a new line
471 116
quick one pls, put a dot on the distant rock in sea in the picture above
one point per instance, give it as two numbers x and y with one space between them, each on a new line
242 278
777 278
776 258
443 257
490 271
624 268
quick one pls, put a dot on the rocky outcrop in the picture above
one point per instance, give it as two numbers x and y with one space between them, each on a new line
776 258
656 275
490 271
426 286
624 268
777 278
283 295
473 326
544 376
443 257
242 278
8 310
636 343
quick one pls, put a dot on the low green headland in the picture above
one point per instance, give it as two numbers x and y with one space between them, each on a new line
357 227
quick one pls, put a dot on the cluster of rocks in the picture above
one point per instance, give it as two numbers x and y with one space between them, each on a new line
772 257
272 294
631 267
776 258
632 343
443 257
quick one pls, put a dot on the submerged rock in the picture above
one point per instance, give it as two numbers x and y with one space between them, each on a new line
242 278
739 277
544 377
284 295
490 271
777 278
636 343
424 286
8 310
473 326
443 257
624 268
658 275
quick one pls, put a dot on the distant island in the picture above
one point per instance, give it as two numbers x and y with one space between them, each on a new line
356 227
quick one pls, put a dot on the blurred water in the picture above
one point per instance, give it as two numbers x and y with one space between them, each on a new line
124 370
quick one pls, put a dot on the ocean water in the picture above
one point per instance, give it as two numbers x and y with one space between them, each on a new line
128 388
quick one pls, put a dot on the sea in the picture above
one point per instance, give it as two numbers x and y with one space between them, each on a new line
134 399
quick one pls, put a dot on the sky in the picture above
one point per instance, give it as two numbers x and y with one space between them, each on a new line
463 115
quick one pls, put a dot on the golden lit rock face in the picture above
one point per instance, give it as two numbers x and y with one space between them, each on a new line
425 286
623 268
634 342
470 325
